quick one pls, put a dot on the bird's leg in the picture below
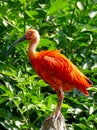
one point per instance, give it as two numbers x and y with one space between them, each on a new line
60 95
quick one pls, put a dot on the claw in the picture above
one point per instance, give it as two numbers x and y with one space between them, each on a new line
56 115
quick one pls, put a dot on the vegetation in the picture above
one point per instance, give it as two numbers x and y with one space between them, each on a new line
71 26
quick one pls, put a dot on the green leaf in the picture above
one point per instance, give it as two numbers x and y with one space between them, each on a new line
5 113
56 5
65 106
44 42
31 14
80 127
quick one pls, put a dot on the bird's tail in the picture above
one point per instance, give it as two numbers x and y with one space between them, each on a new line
89 81
86 83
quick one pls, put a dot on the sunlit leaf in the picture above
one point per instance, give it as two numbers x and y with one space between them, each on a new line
56 5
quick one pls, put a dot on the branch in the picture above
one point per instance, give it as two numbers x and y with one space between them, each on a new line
54 124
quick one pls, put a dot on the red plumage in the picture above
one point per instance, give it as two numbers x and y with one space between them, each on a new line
58 71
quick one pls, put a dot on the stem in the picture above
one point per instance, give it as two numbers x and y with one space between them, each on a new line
21 112
71 20
70 28
86 53
24 9
24 4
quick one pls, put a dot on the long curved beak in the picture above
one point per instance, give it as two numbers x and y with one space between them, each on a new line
16 42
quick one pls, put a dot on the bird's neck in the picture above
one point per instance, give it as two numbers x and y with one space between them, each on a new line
32 49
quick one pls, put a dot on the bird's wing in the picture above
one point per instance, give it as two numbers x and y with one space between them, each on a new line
61 68
58 66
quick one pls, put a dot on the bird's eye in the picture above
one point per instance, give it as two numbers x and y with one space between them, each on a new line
29 33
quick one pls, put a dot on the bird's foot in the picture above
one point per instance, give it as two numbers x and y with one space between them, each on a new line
56 115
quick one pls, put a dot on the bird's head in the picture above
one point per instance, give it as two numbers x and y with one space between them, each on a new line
31 35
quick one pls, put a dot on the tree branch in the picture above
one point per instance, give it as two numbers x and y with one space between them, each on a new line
54 124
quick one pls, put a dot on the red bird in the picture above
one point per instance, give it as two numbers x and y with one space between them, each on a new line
55 69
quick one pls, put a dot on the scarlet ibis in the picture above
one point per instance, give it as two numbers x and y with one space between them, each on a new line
55 69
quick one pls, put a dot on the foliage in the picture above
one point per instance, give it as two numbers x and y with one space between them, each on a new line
25 100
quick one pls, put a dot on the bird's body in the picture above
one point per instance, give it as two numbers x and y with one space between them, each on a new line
58 71
55 69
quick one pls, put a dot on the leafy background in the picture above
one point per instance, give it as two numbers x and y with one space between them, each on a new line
71 26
